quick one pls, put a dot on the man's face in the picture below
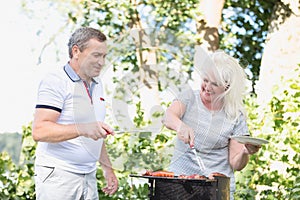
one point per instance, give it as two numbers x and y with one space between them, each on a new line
92 59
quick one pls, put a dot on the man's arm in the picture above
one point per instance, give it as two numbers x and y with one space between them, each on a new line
46 129
108 171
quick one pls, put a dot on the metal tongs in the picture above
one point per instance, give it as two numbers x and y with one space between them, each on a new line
136 131
198 158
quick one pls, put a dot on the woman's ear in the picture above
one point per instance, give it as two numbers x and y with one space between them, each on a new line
226 87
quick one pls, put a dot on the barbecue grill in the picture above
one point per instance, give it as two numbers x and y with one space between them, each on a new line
174 188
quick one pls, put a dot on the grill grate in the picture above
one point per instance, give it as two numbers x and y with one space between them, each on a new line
185 190
161 188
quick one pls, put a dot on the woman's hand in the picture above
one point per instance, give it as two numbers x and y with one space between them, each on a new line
186 134
251 149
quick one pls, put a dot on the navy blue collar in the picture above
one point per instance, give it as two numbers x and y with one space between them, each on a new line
72 74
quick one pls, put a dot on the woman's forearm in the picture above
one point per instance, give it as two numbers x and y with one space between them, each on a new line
171 121
239 161
238 156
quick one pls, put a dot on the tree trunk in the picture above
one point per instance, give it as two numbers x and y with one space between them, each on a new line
207 26
281 53
148 76
208 23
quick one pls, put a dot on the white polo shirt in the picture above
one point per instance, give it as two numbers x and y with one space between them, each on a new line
65 92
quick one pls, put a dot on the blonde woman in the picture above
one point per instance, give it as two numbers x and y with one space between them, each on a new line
207 119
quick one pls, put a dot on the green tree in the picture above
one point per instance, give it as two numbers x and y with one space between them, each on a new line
271 174
172 34
11 143
17 180
241 31
274 172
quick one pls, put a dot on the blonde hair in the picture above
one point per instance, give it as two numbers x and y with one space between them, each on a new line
231 75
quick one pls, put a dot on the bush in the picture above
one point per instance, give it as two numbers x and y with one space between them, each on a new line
273 173
17 180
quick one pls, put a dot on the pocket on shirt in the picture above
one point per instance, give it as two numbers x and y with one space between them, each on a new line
42 173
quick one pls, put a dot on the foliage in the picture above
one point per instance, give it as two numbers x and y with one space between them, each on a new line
274 172
133 153
130 154
245 28
243 31
11 143
172 35
8 176
271 174
16 180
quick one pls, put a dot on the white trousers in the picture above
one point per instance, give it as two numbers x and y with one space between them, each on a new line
55 184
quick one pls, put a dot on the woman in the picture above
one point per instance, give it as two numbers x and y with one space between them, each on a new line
207 118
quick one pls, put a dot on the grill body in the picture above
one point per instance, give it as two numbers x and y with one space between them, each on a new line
161 188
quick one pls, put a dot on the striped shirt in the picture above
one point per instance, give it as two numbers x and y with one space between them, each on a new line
212 134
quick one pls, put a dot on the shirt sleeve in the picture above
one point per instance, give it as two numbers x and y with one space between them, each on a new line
241 127
51 93
185 97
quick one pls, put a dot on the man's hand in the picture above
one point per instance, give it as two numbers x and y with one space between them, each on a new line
111 182
186 134
95 130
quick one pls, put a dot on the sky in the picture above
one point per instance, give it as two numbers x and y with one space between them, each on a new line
21 44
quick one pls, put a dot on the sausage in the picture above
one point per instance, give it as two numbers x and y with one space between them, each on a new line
160 173
193 176
212 175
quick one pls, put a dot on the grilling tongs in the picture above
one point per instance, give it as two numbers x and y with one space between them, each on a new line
198 158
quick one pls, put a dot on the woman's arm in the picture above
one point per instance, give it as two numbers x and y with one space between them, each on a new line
174 112
172 120
239 154
238 158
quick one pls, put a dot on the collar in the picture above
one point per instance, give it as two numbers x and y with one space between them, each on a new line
73 75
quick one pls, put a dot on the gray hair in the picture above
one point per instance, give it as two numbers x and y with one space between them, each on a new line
81 37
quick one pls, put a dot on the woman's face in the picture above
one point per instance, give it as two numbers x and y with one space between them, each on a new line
211 89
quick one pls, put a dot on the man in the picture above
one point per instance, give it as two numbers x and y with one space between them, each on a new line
68 124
